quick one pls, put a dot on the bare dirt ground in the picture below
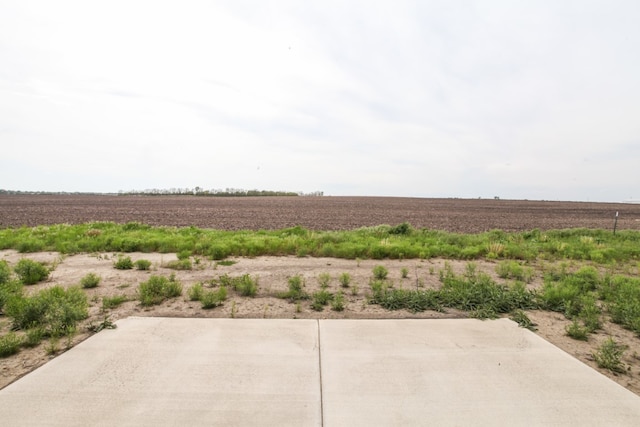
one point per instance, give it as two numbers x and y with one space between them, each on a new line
272 274
316 213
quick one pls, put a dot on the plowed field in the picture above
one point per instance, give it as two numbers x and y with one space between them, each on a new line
317 213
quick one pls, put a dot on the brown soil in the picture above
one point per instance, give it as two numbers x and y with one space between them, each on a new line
316 213
272 274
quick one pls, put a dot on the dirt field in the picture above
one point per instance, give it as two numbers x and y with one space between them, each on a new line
316 213
328 213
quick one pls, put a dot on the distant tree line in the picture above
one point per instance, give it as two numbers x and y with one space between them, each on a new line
197 191
228 192
55 193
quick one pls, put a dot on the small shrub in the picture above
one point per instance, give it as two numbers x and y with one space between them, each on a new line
323 280
345 280
56 310
30 271
157 289
296 291
321 299
123 263
514 270
337 304
33 337
404 272
180 264
609 355
113 302
5 272
577 331
9 344
246 286
195 292
380 273
212 299
142 264
91 280
182 255
9 289
401 229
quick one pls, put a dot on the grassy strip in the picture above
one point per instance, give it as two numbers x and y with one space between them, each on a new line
379 242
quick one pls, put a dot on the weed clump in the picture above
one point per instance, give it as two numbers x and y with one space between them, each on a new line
56 310
338 302
9 344
123 263
321 299
577 331
195 292
5 272
380 272
31 272
213 298
344 279
521 318
296 289
113 302
180 264
323 280
142 264
609 355
245 285
91 280
157 289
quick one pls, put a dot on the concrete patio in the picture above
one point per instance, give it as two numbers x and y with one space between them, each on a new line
174 371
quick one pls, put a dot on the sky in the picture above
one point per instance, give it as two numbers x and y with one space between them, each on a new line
535 100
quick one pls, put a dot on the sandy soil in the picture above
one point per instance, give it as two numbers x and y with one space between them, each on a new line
272 274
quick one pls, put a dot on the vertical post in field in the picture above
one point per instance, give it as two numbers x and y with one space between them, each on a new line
615 224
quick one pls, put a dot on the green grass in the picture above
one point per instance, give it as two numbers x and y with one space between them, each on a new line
511 269
109 303
157 289
179 264
195 292
213 298
31 272
10 344
5 272
379 242
245 285
338 302
296 289
520 317
609 355
56 310
9 289
320 299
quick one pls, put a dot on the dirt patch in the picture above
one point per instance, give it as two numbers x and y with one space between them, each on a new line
273 274
316 213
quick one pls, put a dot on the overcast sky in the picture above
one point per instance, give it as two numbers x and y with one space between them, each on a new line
517 99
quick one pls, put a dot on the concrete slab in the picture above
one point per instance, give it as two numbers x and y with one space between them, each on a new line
177 372
166 372
460 372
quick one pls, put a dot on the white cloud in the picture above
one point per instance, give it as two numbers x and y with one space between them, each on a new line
463 99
